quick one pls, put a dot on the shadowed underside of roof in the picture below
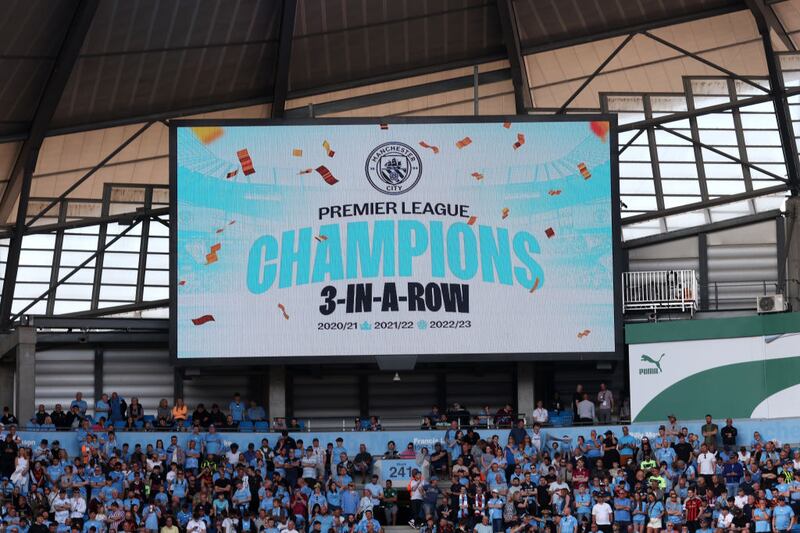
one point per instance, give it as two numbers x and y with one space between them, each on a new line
143 58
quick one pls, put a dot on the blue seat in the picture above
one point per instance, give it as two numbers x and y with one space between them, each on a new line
139 424
364 424
246 425
149 418
262 425
187 423
119 424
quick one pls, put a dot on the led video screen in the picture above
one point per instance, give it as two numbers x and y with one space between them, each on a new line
438 237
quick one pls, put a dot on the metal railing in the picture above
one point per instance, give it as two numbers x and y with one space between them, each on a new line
660 289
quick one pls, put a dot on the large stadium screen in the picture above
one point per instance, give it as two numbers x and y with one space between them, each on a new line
426 237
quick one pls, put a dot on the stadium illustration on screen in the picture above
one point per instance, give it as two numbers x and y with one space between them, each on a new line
421 237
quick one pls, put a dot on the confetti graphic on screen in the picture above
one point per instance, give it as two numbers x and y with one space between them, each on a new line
431 147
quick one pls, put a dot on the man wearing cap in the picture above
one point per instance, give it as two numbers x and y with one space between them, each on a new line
783 518
622 511
602 514
495 506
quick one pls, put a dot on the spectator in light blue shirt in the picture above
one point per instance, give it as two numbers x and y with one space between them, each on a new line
783 518
255 412
102 408
237 408
213 441
80 403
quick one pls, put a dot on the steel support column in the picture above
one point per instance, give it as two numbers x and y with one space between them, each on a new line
523 100
782 112
15 245
760 9
286 33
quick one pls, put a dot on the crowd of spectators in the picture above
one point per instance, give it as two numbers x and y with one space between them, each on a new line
711 480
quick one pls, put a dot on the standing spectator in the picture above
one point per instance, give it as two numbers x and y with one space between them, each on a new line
729 434
390 503
585 410
237 408
118 408
706 464
605 404
710 431
577 398
80 403
415 487
540 414
363 462
783 518
602 514
102 407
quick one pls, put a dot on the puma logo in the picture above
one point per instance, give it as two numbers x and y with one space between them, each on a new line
648 359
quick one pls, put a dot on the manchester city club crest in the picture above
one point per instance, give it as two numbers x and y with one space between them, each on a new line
393 168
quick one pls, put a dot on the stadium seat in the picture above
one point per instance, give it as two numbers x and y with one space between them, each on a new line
119 424
262 425
246 425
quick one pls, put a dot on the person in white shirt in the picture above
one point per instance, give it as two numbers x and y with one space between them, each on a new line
196 524
309 464
706 463
540 414
725 518
77 505
586 409
602 514
289 527
61 506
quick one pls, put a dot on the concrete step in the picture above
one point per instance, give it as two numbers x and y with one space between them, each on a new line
405 528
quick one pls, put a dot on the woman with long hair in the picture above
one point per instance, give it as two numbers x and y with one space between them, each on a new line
655 513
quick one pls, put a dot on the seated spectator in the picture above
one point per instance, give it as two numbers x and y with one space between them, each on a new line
540 414
216 415
374 424
8 417
255 412
180 411
201 417
80 403
135 410
40 415
163 414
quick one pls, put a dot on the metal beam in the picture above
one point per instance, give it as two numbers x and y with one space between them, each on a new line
722 154
15 245
75 270
90 221
90 173
126 324
284 56
405 93
594 74
704 61
782 112
54 88
688 208
626 30
719 108
761 10
705 228
519 71
117 309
